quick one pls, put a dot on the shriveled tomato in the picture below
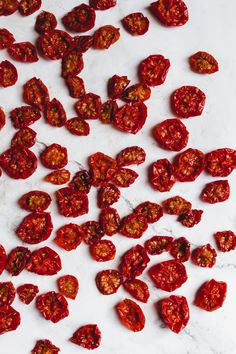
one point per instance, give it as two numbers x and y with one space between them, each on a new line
133 225
102 4
152 211
28 7
35 93
161 175
131 117
221 162
108 281
123 177
109 220
138 289
203 63
58 177
188 101
103 251
2 118
9 319
89 107
92 232
204 256
136 23
68 286
24 52
54 44
108 195
180 249
6 38
82 181
54 113
117 85
69 236
35 201
170 12
83 43
7 293
158 244
44 261
45 346
137 92
153 70
25 137
131 315
8 74
100 166
76 86
211 295
45 21
176 205
52 306
105 36
189 164
80 19
190 218
133 155
108 110
78 126
168 275
27 293
23 116
88 336
8 7
72 63
54 156
225 240
72 203
17 260
216 192
174 312
134 262
3 259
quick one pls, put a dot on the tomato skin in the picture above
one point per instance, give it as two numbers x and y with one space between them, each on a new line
7 293
54 157
105 36
6 38
82 181
123 177
100 166
3 259
116 86
188 101
24 116
211 295
28 7
137 92
131 315
72 203
78 126
8 74
131 117
176 205
68 286
54 113
158 244
102 4
35 93
221 162
204 256
17 260
2 118
72 63
108 281
89 107
225 240
83 43
80 19
153 70
9 319
24 52
93 232
190 218
44 261
44 346
133 225
108 110
35 201
152 211
25 137
170 12
69 236
75 86
189 164
133 155
27 293
134 262
52 306
8 7
138 289
109 220
180 249
108 195
203 63
88 336
216 192
136 24
103 251
54 44
45 21
161 175
58 177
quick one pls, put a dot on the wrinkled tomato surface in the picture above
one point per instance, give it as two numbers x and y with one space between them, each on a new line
3 259
117 85
221 162
109 220
108 281
93 232
78 126
108 195
211 295
161 175
28 7
7 293
136 23
158 244
35 93
8 74
54 157
17 260
25 137
203 63
72 203
123 177
138 289
35 201
6 38
190 218
44 346
131 117
189 164
188 101
134 262
170 12
105 36
133 225
89 107
24 116
83 43
82 181
54 113
176 205
69 236
72 63
100 166
88 336
2 118
153 70
204 256
131 315
103 251
24 52
108 110
132 155
216 192
9 319
54 44
68 286
152 211
180 249
225 240
75 86
45 21
44 261
102 4
52 306
58 177
27 292
8 7
80 19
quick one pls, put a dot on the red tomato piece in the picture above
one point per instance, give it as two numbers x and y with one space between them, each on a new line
174 312
44 261
176 205
27 293
54 157
45 21
88 336
225 240
131 117
68 286
103 251
170 12
35 201
3 259
190 218
168 275
123 177
100 166
108 195
203 63
35 93
116 86
45 346
69 236
188 101
24 52
158 244
58 177
105 36
8 7
28 7
204 256
8 74
9 319
138 289
189 164
133 225
80 19
102 4
78 126
23 116
55 114
161 175
83 43
82 181
2 118
108 111
18 163
216 192
134 262
152 211
17 260
108 281
92 232
133 155
6 38
211 295
76 86
25 137
89 107
72 63
54 44
221 162
131 315
7 293
137 92
153 70
109 220
72 203
136 24
180 249
52 306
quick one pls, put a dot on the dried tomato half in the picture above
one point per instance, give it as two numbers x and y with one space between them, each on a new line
221 162
78 126
108 281
161 175
23 116
69 236
24 52
7 293
152 211
54 113
102 4
54 156
216 192
76 86
133 225
72 63
180 249
109 220
100 166
168 275
45 21
131 117
54 44
133 155
189 164
68 286
80 19
103 251
105 36
9 319
158 244
25 137
136 24
2 118
131 315
190 218
134 262
176 205
89 107
204 256
170 12
203 63
83 43
35 93
52 306
28 7
35 201
17 260
123 177
58 177
211 295
137 92
44 261
174 312
108 195
188 101
82 181
88 336
108 111
72 203
8 74
8 7
18 162
116 86
138 289
6 38
92 232
27 293
3 259
225 240
153 70
45 346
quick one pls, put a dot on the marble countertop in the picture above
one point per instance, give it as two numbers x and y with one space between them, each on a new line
211 28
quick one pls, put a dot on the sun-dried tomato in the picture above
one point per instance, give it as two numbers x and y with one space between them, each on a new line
54 44
216 192
103 251
80 19
133 225
89 107
78 126
45 21
44 261
105 36
100 166
108 111
9 319
54 113
204 256
116 86
138 289
108 281
27 293
6 38
8 7
7 293
28 7
44 346
137 92
134 262
25 137
54 156
161 175
92 232
131 117
17 260
102 4
24 116
180 249
136 23
176 205
88 336
82 181
52 306
203 63
68 286
153 70
168 275
72 203
35 93
2 118
211 295
123 177
3 259
69 236
131 315
72 63
158 244
189 164
190 218
18 162
83 43
221 162
174 312
58 177
109 220
225 240
170 12
76 86
152 211
133 155
24 52
188 101
108 195
35 201
8 74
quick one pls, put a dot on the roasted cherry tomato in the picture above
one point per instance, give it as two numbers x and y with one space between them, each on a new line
68 286
80 19
204 256
102 4
28 7
100 165
153 70
168 275
133 225
103 251
123 177
152 211
221 162
6 38
131 117
116 86
88 336
108 111
108 281
216 192
54 113
45 21
54 157
174 312
158 244
89 107
170 12
78 126
25 137
44 261
188 101
161 175
131 315
44 346
72 63
35 93
52 306
72 203
17 260
176 205
3 259
8 74
54 44
203 63
82 181
109 220
133 155
225 240
105 36
211 295
138 289
83 43
134 262
23 116
108 195
7 293
136 23
92 232
190 218
69 236
58 177
189 164
27 293
137 92
76 86
9 319
2 118
8 7
35 201
24 52
180 249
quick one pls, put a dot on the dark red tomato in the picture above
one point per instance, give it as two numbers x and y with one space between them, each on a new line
171 134
6 38
158 244
225 240
136 24
35 201
161 175
58 177
133 225
45 21
131 117
8 74
170 12
7 293
138 289
116 86
17 260
18 162
204 256
189 164
105 36
54 44
8 7
54 156
78 126
180 249
45 346
80 19
28 7
134 262
176 205
25 137
69 236
88 336
100 166
92 232
188 101
203 63
102 4
103 251
82 181
76 86
123 177
137 92
83 43
9 319
68 286
72 63
108 111
221 162
54 113
3 259
72 203
108 195
52 306
131 315
216 192
133 155
108 281
44 261
109 220
190 218
153 70
23 116
89 107
211 295
168 275
174 312
24 52
35 93
2 118
152 211
27 293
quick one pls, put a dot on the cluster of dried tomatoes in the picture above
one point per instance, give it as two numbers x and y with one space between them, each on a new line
107 174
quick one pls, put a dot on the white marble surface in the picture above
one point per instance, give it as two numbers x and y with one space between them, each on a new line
211 28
